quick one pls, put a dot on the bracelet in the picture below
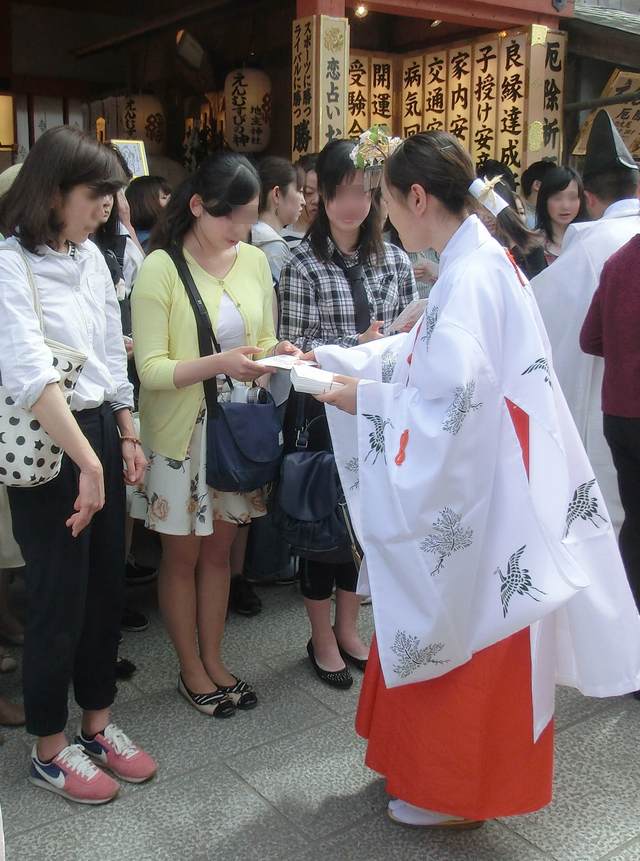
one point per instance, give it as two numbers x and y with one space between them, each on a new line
132 439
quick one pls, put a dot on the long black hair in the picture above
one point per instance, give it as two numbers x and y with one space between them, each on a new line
510 228
555 180
61 159
335 165
224 181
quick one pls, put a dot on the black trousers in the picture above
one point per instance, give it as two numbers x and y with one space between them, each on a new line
74 586
317 579
623 436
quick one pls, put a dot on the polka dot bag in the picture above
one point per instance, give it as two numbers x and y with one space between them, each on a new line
28 455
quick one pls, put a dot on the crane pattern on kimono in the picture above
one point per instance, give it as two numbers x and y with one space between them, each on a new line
388 360
539 365
448 537
353 466
517 581
377 441
430 318
461 406
584 506
411 657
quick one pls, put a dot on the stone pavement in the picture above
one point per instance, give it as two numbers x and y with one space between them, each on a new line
287 781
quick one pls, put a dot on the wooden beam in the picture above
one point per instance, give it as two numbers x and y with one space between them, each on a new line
473 13
161 23
334 8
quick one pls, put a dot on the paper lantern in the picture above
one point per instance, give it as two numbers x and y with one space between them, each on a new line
141 118
247 96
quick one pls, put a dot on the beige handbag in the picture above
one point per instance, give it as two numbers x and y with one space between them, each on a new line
28 455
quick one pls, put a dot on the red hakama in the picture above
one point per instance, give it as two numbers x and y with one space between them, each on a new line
463 744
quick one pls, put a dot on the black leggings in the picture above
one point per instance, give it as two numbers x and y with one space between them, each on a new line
318 578
74 586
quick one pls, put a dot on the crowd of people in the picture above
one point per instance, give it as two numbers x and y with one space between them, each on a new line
463 427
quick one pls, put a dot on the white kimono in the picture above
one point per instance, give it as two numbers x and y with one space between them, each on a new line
564 292
462 548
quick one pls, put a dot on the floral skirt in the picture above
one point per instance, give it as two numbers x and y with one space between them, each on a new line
176 500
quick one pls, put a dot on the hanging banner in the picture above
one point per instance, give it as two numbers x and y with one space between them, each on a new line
303 126
359 88
435 91
412 95
459 95
626 116
484 105
545 95
511 95
382 84
333 81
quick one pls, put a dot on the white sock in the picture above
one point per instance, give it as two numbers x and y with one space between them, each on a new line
411 815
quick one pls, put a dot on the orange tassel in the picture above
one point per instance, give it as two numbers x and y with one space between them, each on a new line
401 456
515 266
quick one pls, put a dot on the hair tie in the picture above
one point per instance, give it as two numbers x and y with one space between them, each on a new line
484 192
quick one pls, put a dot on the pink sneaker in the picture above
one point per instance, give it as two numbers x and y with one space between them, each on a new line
115 751
72 775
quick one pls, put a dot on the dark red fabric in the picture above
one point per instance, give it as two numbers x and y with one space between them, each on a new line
612 329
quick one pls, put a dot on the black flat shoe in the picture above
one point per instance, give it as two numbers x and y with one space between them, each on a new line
338 679
242 597
241 694
124 669
360 663
215 704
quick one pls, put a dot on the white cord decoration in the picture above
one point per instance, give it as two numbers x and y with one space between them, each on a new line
484 192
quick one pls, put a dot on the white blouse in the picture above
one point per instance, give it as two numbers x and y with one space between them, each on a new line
80 310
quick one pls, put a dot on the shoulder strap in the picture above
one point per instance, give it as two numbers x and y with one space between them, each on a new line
32 285
355 277
206 335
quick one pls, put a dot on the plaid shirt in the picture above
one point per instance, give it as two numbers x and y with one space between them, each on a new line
316 305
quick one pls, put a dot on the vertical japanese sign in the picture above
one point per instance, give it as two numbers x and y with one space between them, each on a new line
382 84
511 96
435 91
359 103
484 105
412 95
459 94
626 116
303 98
333 82
545 94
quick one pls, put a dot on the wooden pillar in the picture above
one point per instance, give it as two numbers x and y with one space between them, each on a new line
5 45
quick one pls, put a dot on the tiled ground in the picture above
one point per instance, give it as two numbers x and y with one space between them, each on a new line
287 781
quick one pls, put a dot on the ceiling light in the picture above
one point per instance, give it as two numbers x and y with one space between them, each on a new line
435 23
361 11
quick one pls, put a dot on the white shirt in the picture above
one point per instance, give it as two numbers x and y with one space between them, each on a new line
133 260
80 310
230 327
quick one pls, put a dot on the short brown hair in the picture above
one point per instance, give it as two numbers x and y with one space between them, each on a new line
143 196
60 160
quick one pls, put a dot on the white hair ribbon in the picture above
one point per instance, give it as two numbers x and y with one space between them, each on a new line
484 191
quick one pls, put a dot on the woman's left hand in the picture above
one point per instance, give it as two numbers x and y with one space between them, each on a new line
344 398
286 348
135 463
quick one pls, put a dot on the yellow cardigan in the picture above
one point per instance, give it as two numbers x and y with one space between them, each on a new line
165 333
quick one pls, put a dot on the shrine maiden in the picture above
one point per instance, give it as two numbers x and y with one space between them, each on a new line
564 290
489 553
